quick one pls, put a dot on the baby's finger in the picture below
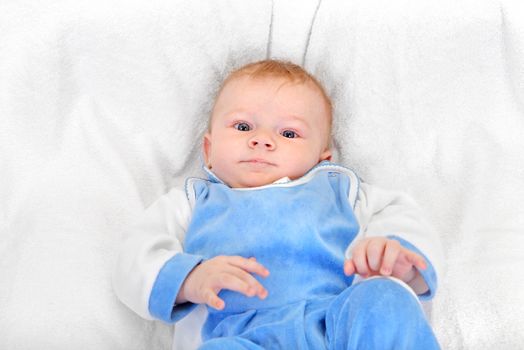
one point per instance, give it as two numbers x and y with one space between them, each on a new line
374 253
254 286
228 280
213 300
391 253
349 267
250 265
417 260
360 261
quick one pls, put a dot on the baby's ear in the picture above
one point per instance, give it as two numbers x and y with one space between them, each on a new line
206 149
326 155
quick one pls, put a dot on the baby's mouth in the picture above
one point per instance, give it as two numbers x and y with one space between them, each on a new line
258 162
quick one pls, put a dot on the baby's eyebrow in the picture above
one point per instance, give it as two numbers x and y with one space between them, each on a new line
296 118
233 112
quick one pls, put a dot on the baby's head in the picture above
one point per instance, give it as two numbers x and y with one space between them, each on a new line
271 120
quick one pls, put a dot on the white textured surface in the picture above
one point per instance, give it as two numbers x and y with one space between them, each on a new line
429 99
103 102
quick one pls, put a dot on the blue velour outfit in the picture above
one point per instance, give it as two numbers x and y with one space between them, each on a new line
299 230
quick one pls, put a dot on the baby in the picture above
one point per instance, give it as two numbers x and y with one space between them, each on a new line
287 250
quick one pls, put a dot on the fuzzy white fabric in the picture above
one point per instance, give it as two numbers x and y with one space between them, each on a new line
103 103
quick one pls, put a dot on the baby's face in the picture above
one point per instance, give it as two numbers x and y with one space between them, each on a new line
264 129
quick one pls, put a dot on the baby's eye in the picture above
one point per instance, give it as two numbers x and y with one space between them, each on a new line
242 126
290 134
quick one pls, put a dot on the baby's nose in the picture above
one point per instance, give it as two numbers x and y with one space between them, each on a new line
262 141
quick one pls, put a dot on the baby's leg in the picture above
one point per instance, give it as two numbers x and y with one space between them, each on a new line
230 343
378 313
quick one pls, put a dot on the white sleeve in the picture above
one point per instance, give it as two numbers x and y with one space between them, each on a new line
394 214
147 247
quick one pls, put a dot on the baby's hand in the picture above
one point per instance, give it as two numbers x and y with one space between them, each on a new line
385 257
207 279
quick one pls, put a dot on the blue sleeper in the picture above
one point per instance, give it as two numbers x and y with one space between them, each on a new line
299 230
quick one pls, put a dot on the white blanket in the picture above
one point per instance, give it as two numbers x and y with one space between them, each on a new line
103 103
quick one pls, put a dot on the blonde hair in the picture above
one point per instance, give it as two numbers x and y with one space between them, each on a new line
280 69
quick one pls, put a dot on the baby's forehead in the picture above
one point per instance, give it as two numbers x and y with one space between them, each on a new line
270 79
237 88
247 92
239 84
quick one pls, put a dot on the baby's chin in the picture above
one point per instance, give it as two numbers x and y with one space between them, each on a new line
254 180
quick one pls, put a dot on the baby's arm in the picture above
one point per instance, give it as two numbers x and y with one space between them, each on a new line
157 280
207 279
387 257
151 265
395 217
